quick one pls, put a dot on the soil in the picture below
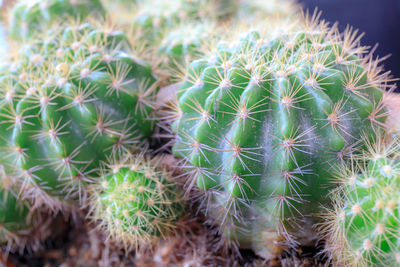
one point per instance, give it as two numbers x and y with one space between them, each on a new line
77 243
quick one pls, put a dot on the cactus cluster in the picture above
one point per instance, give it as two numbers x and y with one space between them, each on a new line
30 17
261 122
68 103
363 228
136 201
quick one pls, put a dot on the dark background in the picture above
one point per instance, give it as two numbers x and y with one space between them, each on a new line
378 19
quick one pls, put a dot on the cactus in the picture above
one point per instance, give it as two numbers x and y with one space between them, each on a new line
155 18
30 17
186 42
13 217
256 10
260 123
136 202
363 227
68 103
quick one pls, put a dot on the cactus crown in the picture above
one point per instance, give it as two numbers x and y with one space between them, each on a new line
136 202
363 228
261 122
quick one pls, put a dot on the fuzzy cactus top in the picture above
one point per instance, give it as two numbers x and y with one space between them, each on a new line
261 122
31 17
67 104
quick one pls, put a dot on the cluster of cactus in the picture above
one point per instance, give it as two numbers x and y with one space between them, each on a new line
261 123
31 17
363 227
136 201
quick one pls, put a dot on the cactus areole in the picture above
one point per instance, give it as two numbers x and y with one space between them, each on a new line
262 121
69 104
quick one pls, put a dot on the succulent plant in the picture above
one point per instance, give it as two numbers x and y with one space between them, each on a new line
253 11
186 42
30 17
363 227
67 104
156 18
136 201
261 122
13 217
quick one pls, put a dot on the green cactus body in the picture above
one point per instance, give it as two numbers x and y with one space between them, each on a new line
34 16
67 105
185 43
136 202
13 217
261 122
363 229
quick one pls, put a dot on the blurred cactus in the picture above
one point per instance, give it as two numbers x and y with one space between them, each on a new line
31 17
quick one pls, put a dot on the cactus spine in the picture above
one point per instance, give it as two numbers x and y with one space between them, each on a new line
67 104
363 228
30 17
136 202
261 122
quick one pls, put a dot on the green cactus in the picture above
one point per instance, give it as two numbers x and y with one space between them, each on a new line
363 228
261 122
186 42
136 202
68 103
155 18
255 10
13 217
30 17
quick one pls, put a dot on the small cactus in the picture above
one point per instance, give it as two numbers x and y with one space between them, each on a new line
260 123
186 42
68 103
136 202
30 17
155 18
363 229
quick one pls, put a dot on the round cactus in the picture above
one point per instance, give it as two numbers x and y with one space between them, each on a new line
261 123
363 228
155 18
186 42
68 104
30 17
136 202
